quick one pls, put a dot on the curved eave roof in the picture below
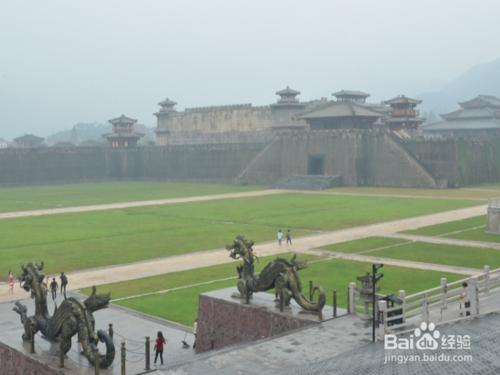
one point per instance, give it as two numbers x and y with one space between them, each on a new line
342 109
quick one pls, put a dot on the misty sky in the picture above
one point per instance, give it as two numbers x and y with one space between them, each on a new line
64 62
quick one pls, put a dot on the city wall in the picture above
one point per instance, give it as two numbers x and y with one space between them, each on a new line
364 158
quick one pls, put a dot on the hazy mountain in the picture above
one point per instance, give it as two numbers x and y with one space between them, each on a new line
480 79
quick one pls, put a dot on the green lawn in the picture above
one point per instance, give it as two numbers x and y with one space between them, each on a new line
469 229
181 305
76 241
34 197
462 256
365 244
482 192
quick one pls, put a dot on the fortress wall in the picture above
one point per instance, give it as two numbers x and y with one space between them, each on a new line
220 162
459 161
359 157
372 158
243 118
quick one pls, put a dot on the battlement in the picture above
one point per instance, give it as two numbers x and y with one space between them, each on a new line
229 107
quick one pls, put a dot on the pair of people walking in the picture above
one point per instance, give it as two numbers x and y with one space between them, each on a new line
54 286
288 237
11 281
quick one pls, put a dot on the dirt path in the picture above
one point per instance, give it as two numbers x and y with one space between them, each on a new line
151 267
158 202
447 241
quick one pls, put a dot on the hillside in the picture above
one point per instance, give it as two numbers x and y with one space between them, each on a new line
480 79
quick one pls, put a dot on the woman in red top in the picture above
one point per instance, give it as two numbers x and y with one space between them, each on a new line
160 341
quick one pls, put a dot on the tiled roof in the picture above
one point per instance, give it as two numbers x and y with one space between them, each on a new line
123 120
287 91
353 93
342 109
401 99
481 101
468 124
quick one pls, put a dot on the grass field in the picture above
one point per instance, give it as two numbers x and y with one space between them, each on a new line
470 229
480 192
462 256
35 197
76 241
181 305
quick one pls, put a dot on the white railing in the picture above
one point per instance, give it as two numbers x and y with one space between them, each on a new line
494 202
439 305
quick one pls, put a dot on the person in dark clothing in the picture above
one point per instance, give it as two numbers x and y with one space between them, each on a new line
64 283
160 342
288 237
53 288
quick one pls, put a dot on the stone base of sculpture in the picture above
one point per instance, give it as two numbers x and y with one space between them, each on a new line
225 320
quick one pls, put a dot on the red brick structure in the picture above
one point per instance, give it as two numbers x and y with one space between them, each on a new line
223 320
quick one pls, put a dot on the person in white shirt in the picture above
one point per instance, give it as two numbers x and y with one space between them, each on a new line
280 237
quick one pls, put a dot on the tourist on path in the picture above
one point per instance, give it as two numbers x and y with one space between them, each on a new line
288 237
160 342
11 282
64 283
195 331
280 237
53 288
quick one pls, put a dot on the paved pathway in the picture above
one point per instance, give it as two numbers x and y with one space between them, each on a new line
158 202
151 267
446 241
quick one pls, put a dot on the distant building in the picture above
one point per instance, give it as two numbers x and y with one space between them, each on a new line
403 116
124 134
349 111
3 143
476 117
245 123
28 141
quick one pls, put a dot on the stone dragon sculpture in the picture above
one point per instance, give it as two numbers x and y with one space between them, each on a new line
70 318
280 274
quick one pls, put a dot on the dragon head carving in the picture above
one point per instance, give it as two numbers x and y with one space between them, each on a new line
97 301
241 248
31 274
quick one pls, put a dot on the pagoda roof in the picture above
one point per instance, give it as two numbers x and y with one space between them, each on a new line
449 125
342 109
481 101
167 103
472 113
401 99
287 91
351 93
123 120
28 138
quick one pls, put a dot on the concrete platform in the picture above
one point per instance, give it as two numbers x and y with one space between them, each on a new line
130 327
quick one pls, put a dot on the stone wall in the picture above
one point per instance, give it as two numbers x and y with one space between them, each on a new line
13 362
212 120
224 321
216 162
360 157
